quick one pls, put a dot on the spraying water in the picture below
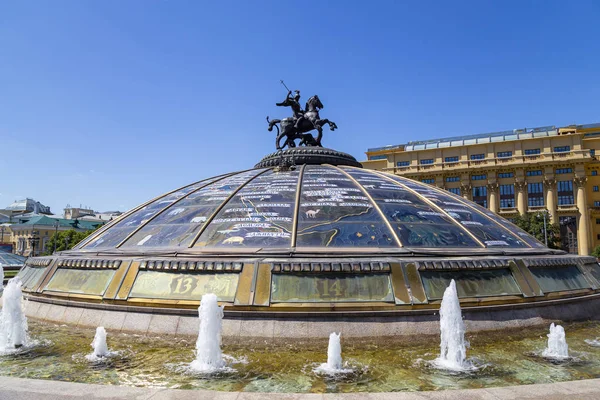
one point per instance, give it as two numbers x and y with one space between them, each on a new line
99 344
334 358
453 346
334 352
13 323
1 275
558 348
208 346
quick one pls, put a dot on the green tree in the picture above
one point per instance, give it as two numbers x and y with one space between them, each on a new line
596 252
533 223
65 240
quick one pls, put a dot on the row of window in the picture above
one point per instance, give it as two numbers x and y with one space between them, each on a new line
481 156
505 175
535 172
535 194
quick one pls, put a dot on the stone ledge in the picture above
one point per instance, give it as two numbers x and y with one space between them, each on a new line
37 389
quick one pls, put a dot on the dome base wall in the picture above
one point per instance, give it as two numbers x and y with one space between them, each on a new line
239 325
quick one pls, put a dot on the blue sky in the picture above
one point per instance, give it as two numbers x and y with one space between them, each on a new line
110 103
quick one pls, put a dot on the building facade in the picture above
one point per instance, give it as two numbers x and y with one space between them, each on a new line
29 236
514 172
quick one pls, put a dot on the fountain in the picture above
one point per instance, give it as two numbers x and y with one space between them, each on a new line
557 349
334 357
99 345
453 346
13 323
208 346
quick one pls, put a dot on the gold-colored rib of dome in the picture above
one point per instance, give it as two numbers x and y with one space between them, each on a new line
136 230
435 206
214 214
366 193
100 231
466 204
297 205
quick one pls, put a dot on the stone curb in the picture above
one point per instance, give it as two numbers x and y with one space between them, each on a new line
37 389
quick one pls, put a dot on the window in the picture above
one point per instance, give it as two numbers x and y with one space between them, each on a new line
454 190
451 159
504 154
403 163
558 279
596 204
595 188
532 152
507 196
597 221
562 149
564 170
535 194
592 152
536 172
379 157
314 288
494 282
453 179
477 156
478 177
506 175
480 195
428 180
426 161
565 193
594 173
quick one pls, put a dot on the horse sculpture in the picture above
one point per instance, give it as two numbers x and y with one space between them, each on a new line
303 121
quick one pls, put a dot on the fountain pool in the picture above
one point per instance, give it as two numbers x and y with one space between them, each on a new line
386 364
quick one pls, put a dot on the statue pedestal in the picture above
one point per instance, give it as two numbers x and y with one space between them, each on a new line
307 155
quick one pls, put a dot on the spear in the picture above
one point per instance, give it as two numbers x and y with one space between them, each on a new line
281 80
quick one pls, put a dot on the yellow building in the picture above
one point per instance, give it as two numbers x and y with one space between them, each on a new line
518 171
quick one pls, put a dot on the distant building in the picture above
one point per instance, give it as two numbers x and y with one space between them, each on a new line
25 206
88 214
29 235
513 172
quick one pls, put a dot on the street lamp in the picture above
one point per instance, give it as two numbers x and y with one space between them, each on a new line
544 214
32 241
56 223
66 242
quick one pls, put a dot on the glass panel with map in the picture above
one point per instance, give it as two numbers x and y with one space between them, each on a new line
334 212
416 222
123 228
259 215
486 230
178 225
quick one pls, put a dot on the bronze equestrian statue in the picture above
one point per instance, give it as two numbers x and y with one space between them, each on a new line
302 121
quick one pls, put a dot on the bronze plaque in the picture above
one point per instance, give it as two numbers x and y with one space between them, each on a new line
164 285
311 289
92 282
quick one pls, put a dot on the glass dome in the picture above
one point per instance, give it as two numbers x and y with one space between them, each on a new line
7 259
312 207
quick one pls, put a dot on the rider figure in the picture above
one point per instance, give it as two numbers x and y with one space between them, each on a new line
294 103
299 118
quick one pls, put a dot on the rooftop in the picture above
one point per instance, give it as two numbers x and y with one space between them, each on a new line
28 205
42 220
515 134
